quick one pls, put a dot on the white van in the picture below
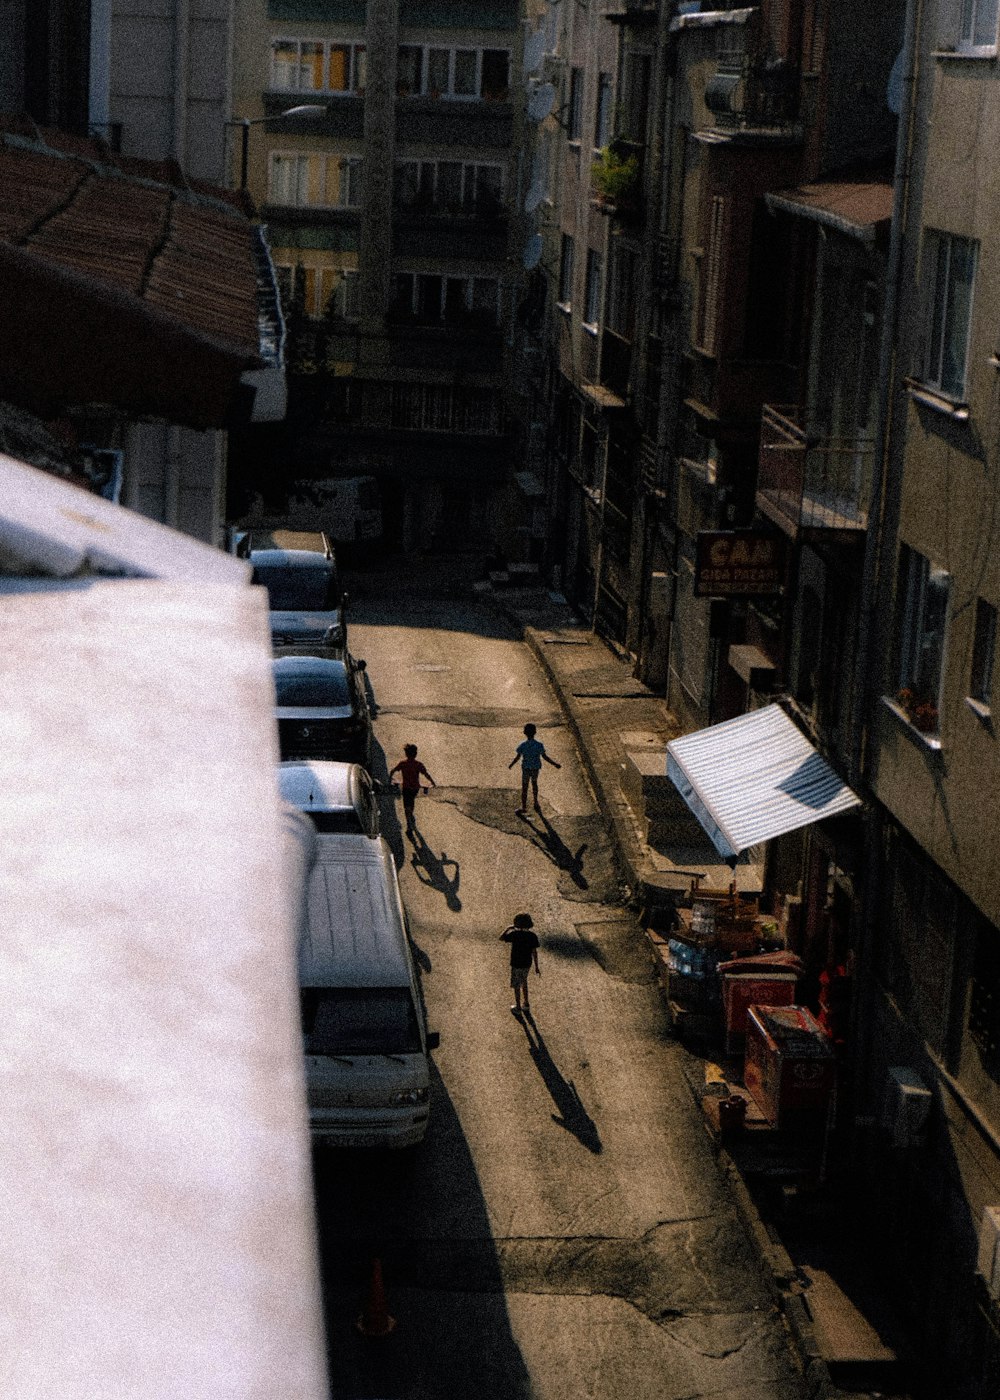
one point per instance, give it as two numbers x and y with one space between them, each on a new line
363 1019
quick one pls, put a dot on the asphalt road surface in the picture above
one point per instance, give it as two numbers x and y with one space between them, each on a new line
563 1232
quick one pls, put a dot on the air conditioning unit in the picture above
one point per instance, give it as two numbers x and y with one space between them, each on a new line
907 1107
988 1259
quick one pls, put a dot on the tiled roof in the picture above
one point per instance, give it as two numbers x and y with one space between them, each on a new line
151 259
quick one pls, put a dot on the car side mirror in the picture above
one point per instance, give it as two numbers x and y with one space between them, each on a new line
433 1040
361 665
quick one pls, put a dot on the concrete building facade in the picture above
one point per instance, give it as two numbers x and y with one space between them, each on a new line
388 217
932 957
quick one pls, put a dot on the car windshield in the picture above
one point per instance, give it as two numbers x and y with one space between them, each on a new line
303 588
359 1021
315 688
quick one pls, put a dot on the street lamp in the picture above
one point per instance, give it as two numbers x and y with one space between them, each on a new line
313 111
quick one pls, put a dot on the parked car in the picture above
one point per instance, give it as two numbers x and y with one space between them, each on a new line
339 798
364 1024
299 570
322 708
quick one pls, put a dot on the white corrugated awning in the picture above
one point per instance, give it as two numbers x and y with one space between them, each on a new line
754 777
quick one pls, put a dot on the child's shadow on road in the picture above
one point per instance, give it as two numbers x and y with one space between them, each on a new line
432 870
572 1115
551 844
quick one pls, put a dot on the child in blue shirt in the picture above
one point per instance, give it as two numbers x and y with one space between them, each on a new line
531 752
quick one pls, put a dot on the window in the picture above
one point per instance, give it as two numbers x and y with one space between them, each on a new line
949 267
288 180
459 74
409 70
976 25
621 293
574 119
331 182
602 120
924 597
566 261
983 648
433 300
340 293
496 74
310 65
592 291
343 182
635 96
449 186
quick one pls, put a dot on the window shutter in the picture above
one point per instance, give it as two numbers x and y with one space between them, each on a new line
713 273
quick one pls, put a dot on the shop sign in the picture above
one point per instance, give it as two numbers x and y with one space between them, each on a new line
739 563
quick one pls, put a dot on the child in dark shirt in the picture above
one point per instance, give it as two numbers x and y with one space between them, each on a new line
523 952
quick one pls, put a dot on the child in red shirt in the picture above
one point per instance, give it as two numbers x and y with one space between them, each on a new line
410 771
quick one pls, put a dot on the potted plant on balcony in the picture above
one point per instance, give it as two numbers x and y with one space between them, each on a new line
614 178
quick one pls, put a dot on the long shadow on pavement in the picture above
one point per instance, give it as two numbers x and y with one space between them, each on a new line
422 1214
551 844
572 1115
433 870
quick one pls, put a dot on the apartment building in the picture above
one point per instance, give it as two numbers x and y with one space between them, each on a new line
929 1027
386 202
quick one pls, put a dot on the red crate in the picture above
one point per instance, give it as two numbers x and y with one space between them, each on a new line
789 1066
741 990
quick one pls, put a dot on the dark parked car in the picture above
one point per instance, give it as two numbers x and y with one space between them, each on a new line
322 708
299 570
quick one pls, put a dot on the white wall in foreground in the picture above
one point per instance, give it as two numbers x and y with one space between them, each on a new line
158 1235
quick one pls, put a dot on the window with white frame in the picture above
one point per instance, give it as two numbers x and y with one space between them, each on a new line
969 26
448 186
433 299
318 65
567 259
459 74
314 180
924 591
288 179
592 289
983 652
948 275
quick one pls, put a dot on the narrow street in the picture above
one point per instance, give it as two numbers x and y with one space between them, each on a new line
563 1231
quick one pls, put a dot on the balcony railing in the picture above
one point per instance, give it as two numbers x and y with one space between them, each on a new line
806 481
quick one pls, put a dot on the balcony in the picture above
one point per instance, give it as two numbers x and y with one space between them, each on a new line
808 482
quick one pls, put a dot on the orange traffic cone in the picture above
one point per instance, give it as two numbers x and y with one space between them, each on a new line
375 1320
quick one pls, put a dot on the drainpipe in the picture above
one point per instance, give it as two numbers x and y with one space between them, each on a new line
181 68
872 628
885 426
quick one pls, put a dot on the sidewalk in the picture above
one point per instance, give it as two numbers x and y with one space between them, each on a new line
615 718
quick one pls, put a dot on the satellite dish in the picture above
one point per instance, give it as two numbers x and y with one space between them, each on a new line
533 251
894 87
534 197
541 99
534 52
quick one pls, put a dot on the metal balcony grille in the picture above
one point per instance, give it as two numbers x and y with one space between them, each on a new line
807 481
